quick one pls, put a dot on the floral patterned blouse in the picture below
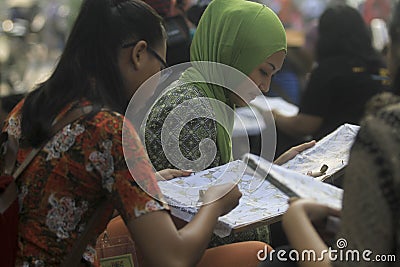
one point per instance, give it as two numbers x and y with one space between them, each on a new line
61 188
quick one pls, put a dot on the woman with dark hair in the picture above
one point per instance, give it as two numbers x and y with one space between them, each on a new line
348 74
113 48
369 233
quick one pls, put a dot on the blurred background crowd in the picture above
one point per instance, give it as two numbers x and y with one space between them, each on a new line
32 35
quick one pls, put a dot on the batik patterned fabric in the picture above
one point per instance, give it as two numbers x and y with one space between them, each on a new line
62 187
190 136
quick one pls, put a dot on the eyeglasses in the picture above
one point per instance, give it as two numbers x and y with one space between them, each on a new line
154 53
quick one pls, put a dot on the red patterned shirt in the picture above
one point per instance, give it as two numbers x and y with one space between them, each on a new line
61 188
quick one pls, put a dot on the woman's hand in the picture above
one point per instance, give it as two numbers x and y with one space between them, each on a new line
293 151
299 225
226 196
183 247
168 174
323 218
314 211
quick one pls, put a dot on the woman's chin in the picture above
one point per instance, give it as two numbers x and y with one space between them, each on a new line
241 103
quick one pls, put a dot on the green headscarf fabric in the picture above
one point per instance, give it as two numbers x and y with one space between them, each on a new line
237 33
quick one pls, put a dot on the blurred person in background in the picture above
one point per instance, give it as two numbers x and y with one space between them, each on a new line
290 15
179 28
163 7
372 9
348 73
195 12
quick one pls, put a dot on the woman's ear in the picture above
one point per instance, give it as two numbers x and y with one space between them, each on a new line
138 54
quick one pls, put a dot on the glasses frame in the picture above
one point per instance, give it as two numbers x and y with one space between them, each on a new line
151 50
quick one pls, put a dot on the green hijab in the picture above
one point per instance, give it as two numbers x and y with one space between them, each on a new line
237 33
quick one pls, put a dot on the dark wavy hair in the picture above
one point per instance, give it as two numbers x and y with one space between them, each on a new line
88 67
394 32
343 32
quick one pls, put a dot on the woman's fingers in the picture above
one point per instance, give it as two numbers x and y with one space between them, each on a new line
292 200
300 148
168 174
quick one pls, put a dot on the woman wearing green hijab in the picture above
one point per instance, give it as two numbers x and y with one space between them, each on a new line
244 35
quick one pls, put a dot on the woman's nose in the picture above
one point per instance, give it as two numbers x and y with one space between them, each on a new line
264 86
